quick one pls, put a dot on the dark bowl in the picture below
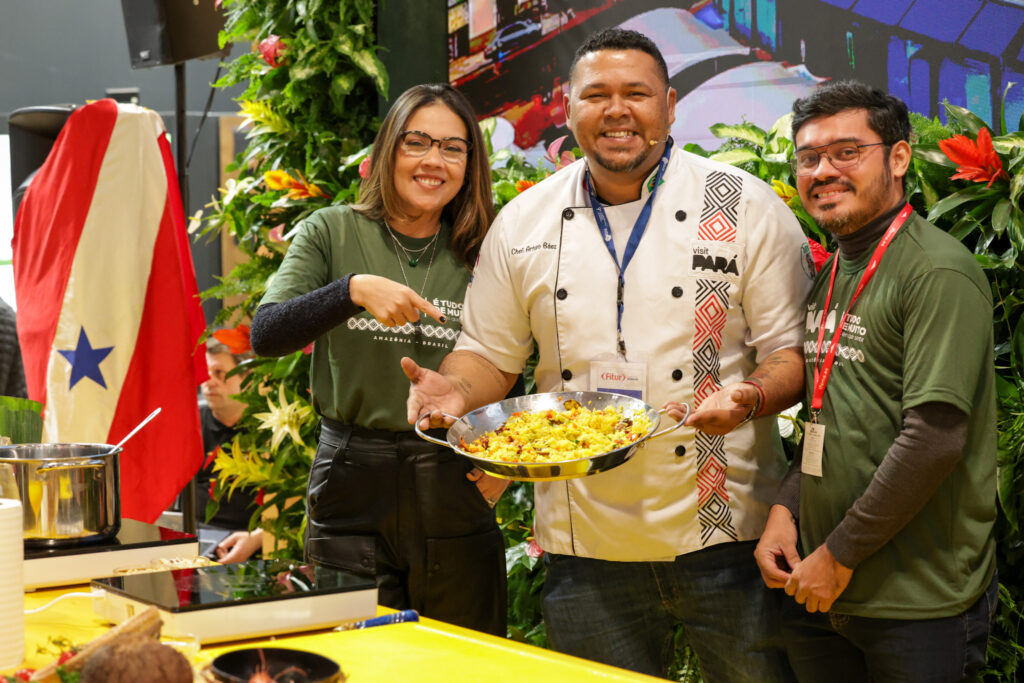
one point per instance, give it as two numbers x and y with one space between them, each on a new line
238 666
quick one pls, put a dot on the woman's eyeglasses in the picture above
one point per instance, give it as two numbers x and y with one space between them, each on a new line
416 143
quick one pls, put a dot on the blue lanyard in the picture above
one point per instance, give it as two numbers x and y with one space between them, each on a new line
639 227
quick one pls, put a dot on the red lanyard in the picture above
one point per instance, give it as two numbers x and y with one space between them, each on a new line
821 376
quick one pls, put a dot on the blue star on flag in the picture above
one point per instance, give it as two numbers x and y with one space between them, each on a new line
85 360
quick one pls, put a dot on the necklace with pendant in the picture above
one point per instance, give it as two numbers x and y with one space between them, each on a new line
426 276
412 255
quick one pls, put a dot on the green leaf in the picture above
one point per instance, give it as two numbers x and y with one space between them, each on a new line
1001 216
969 122
694 148
742 131
1005 144
933 155
947 204
736 156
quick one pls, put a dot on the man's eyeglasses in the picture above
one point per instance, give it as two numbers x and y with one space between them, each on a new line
416 143
840 155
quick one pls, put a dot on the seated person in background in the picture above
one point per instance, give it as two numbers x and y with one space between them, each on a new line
217 419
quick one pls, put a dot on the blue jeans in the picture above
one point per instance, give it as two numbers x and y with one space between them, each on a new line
624 613
840 647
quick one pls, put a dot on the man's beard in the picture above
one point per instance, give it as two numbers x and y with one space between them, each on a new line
623 166
875 196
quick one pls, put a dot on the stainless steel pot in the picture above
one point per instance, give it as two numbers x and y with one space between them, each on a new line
475 424
69 492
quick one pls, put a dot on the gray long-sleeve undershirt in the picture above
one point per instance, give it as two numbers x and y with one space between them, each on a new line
922 455
282 328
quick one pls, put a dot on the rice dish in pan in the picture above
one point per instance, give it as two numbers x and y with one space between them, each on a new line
554 436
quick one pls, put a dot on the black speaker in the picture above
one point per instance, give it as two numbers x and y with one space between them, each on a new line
33 131
170 31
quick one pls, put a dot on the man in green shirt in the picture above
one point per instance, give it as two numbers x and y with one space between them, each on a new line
892 499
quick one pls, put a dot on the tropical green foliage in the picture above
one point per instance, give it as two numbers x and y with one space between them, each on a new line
310 102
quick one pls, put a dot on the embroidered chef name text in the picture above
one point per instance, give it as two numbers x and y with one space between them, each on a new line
516 251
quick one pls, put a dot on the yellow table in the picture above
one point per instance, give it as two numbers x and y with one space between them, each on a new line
426 651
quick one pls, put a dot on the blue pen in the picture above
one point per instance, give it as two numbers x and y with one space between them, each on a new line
395 618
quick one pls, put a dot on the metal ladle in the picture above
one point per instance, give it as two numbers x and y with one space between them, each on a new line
137 428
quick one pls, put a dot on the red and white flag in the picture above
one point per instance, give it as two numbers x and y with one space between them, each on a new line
108 314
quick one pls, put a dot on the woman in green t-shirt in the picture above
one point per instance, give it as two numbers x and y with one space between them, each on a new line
356 281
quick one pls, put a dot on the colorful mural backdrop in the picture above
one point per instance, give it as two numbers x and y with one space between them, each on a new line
742 60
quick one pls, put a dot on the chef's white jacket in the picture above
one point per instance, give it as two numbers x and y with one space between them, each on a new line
545 274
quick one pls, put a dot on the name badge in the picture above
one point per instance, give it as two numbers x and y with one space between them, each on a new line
814 446
619 377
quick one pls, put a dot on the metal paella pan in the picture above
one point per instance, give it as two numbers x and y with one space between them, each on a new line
475 424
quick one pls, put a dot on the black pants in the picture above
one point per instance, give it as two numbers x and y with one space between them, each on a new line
391 505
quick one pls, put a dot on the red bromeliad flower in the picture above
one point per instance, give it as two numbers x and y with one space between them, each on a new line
237 340
271 48
976 161
818 254
364 167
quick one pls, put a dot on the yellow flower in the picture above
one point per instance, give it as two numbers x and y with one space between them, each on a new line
297 188
785 192
279 180
284 420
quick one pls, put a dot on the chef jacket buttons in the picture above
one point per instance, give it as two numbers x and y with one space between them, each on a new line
561 294
567 375
680 450
568 214
677 292
680 216
677 374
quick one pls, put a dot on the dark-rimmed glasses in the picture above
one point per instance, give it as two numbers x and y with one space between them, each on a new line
416 143
843 154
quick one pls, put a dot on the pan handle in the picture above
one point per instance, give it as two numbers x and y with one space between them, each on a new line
426 437
674 427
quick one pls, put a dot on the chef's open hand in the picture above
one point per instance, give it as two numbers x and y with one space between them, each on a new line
818 580
776 552
391 303
724 410
431 392
239 546
490 487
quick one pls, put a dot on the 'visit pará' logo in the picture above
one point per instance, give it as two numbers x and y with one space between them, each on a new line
718 264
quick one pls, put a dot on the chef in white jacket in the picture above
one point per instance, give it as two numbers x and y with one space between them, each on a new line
650 271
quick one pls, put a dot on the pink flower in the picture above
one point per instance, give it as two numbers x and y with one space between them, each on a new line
271 48
364 167
559 160
309 349
534 550
276 233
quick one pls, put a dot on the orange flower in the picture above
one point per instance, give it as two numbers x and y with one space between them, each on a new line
297 188
237 340
523 185
975 161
